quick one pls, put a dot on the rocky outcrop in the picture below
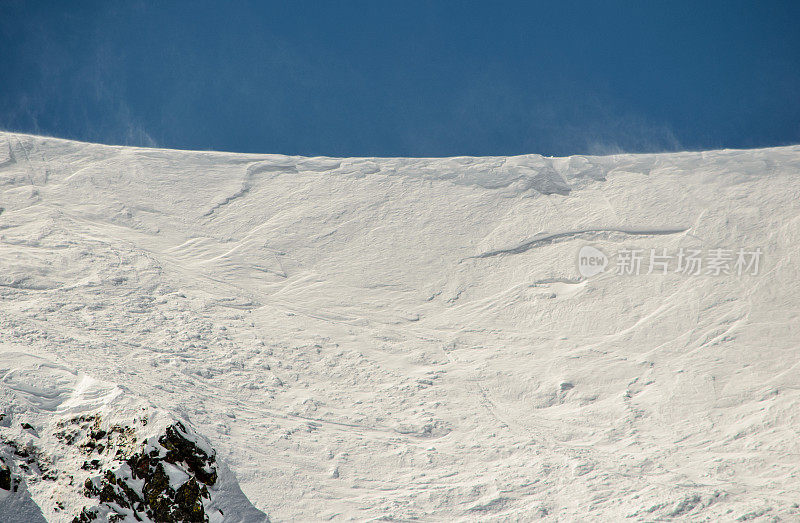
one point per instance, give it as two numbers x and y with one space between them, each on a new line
5 477
167 481
75 449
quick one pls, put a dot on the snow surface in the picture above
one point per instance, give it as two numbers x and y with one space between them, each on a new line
409 338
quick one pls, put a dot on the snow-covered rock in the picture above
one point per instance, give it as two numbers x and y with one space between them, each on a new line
77 449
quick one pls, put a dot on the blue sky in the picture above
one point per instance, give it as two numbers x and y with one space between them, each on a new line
404 78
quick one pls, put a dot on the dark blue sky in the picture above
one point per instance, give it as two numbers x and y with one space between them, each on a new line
404 78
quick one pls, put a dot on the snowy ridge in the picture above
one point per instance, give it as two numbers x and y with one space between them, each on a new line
363 338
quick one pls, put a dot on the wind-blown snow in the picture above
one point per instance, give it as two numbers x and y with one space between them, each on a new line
410 338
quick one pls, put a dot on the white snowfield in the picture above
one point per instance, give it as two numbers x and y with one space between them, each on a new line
411 339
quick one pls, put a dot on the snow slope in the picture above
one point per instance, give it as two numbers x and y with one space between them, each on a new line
410 338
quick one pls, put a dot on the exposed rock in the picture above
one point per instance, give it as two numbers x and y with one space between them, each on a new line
5 477
141 486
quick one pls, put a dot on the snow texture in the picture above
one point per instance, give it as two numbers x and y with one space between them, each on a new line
397 338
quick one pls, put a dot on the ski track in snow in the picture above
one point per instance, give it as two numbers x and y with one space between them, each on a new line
315 319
